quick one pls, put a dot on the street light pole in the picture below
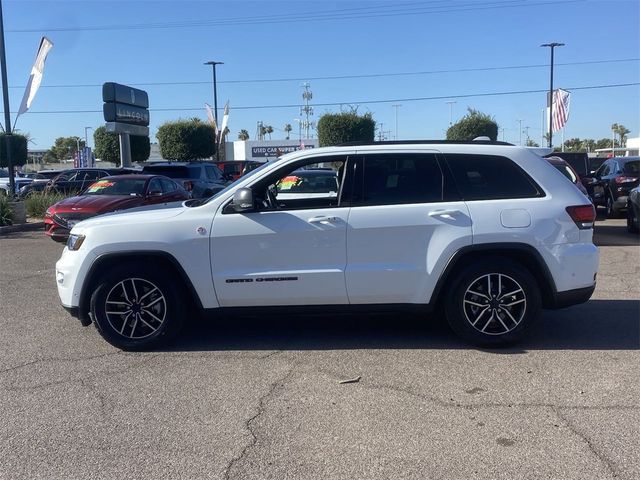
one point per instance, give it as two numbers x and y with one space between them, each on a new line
215 100
552 46
396 106
5 98
451 104
520 128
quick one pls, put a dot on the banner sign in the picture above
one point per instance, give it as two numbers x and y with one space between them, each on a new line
84 158
275 151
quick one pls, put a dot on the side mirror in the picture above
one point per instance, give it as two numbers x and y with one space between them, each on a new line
242 200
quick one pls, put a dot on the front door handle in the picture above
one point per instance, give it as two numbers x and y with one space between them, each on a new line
324 220
443 213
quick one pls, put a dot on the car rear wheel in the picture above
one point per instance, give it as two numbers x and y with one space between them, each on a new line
136 308
611 210
493 303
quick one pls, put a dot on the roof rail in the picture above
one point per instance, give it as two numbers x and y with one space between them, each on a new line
427 142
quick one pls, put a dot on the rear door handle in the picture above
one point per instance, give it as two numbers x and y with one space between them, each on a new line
322 219
443 213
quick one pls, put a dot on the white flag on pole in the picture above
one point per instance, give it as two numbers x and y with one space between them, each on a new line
225 121
211 118
35 79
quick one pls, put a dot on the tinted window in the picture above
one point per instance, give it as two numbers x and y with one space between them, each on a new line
170 171
168 186
117 186
485 177
390 179
154 186
632 167
213 173
94 175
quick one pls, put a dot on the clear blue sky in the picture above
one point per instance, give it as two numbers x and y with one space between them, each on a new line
309 39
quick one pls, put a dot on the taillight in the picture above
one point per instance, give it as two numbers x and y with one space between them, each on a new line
625 179
583 215
188 185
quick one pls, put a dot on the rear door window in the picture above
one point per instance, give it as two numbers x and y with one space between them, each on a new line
400 178
632 168
213 173
489 177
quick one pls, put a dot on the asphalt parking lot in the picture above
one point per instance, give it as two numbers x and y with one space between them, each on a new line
261 397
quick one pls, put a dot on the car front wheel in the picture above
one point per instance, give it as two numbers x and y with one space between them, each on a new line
136 308
493 303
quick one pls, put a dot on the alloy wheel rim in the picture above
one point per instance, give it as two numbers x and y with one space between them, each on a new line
494 304
135 308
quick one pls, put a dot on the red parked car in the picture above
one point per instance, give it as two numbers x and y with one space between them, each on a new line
108 195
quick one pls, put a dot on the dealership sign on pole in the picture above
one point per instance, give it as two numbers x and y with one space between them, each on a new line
126 111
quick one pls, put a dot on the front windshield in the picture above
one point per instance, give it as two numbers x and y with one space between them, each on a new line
117 186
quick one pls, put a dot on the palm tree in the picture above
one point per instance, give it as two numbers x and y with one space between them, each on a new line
287 129
622 132
268 129
243 135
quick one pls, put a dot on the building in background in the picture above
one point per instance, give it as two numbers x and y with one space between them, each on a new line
265 150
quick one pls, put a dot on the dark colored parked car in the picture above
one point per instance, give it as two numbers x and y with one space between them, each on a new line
107 195
613 181
234 169
568 171
202 179
71 181
579 161
633 211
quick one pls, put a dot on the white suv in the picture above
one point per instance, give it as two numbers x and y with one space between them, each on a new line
489 231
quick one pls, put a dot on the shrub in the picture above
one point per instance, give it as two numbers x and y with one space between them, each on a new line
18 149
5 211
38 202
337 128
473 124
107 146
184 140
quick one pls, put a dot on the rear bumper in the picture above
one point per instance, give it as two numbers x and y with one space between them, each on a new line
571 297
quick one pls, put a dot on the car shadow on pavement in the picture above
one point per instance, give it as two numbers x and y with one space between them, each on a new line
614 235
597 325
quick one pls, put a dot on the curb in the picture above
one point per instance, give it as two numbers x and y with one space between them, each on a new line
22 227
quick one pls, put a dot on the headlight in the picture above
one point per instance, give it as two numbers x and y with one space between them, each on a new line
75 241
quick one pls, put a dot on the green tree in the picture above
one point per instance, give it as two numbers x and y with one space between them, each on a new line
573 144
18 149
531 143
65 148
473 124
243 135
287 129
186 140
268 129
337 128
588 144
605 143
622 132
107 146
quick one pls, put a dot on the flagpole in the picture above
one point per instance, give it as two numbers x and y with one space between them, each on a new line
5 99
552 46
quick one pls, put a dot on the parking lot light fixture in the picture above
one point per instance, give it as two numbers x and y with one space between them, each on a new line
215 98
552 46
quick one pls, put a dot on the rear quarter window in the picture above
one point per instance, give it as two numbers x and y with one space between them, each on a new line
491 177
632 168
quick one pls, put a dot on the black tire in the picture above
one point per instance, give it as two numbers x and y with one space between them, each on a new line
508 318
159 309
632 219
611 210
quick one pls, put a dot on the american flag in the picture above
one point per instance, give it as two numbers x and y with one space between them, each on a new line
560 109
